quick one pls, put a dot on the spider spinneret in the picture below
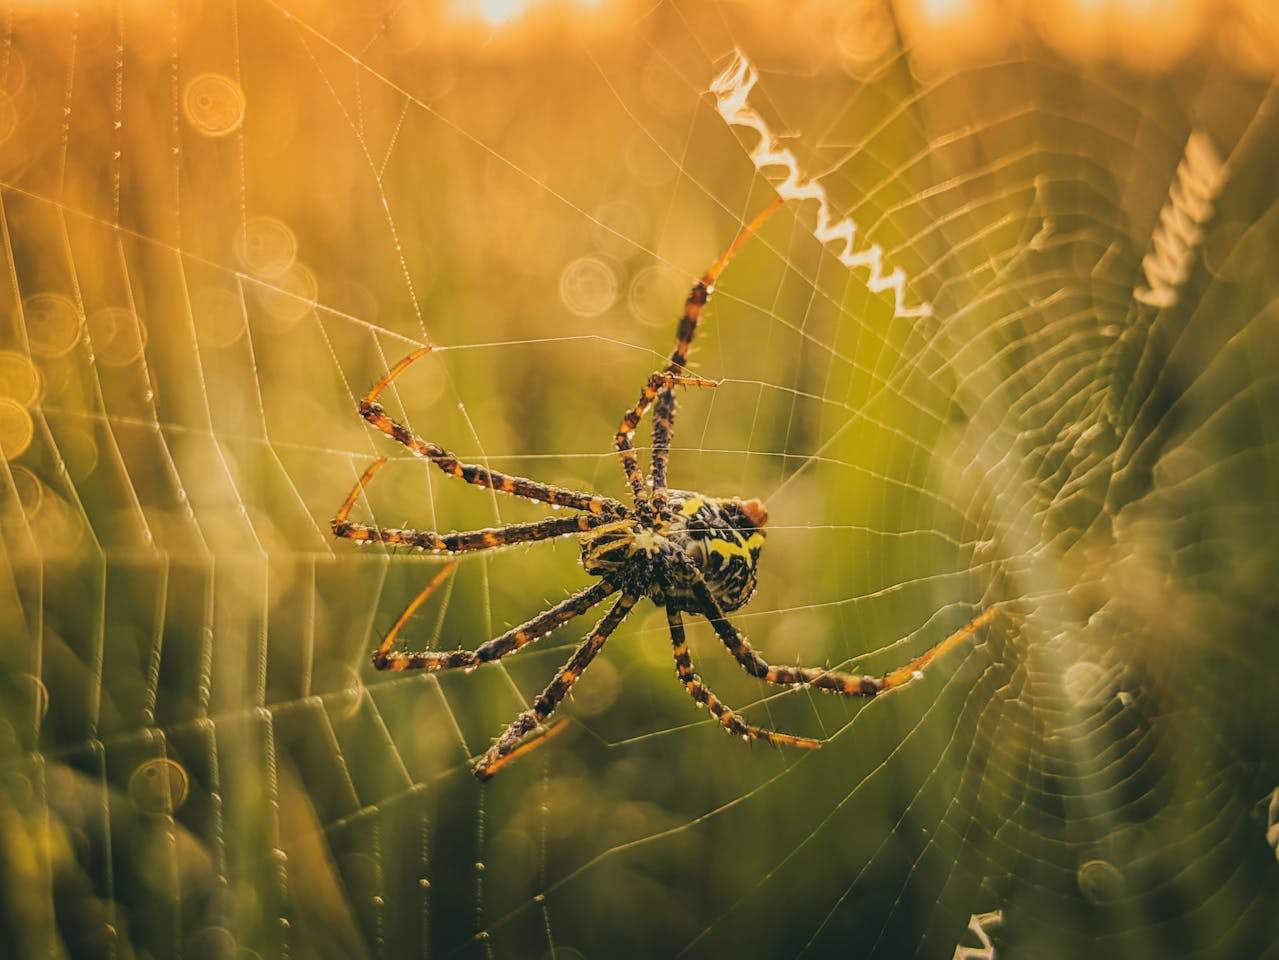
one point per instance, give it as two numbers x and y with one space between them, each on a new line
687 552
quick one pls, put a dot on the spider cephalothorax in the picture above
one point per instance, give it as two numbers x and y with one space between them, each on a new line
687 552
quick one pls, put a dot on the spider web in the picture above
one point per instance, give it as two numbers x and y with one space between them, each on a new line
221 224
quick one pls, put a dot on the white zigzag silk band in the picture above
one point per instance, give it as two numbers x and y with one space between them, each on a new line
732 90
1200 178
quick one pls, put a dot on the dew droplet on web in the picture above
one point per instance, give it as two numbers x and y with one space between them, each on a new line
1100 881
19 378
267 247
159 786
53 324
588 286
1085 683
214 104
17 430
286 299
118 335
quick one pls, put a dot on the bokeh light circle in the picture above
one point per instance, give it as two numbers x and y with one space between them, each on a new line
214 104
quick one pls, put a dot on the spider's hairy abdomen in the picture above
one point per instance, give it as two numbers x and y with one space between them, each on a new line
717 537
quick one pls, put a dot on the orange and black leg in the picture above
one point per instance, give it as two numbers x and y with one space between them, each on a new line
624 439
833 680
515 741
384 658
663 431
727 718
468 542
664 412
372 411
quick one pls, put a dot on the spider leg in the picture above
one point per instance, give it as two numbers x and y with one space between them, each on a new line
625 436
531 742
835 681
468 542
903 675
663 431
728 719
664 412
384 658
509 745
372 411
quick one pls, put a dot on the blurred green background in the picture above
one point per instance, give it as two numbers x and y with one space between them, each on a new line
222 222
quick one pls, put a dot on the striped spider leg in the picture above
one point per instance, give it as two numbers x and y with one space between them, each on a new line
660 386
469 542
658 383
385 657
516 740
664 412
372 411
831 681
705 697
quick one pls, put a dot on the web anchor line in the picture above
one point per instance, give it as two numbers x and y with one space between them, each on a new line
732 90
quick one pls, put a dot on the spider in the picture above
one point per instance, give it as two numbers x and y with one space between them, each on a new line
687 552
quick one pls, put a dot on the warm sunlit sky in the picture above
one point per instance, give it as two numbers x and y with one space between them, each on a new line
1152 33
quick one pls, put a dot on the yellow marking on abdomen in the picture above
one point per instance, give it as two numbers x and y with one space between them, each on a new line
754 542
